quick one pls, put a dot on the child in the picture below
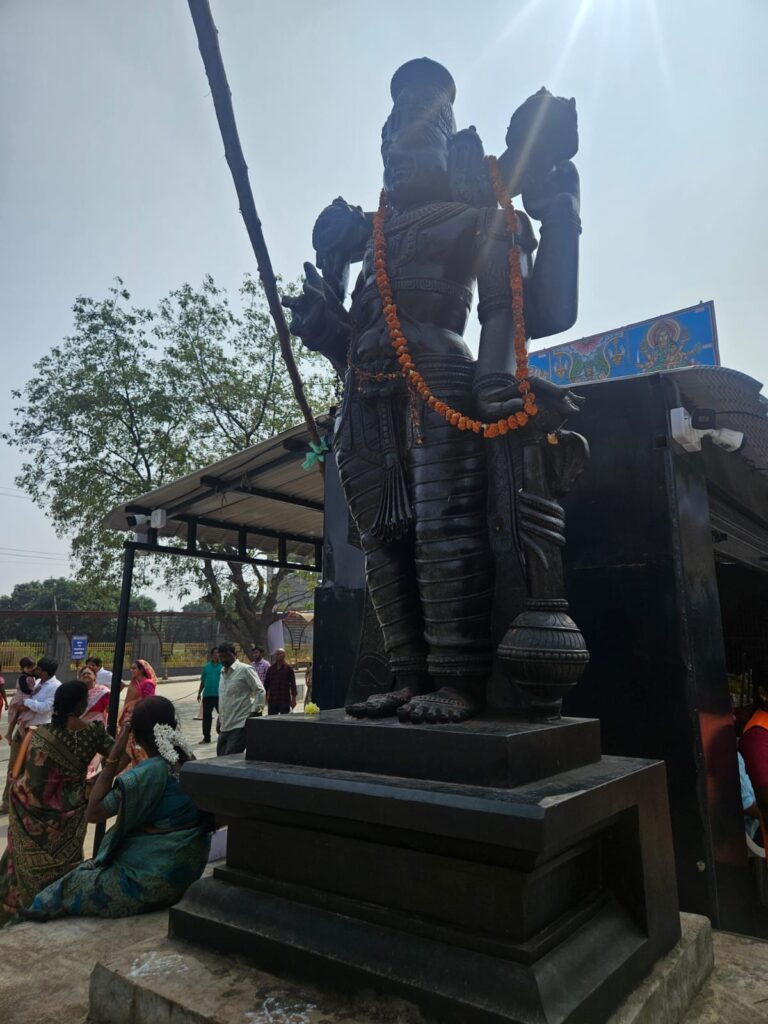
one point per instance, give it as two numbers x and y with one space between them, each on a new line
17 713
3 696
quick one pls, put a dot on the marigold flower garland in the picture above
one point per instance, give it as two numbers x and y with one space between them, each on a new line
400 342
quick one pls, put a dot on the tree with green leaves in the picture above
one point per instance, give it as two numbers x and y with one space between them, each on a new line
135 398
62 595
70 595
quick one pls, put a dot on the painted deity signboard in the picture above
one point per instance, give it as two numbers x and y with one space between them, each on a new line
685 338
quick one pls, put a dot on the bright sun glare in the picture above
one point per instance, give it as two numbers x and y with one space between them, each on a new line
613 23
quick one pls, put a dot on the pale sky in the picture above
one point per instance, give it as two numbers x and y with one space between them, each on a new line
112 163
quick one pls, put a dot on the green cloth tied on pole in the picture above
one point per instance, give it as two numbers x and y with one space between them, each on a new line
316 453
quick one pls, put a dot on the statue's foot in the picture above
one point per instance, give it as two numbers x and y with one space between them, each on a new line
380 705
444 705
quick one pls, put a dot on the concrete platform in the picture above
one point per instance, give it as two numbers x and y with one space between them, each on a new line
44 968
167 980
45 972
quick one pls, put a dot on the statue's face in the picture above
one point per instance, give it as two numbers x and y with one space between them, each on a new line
415 163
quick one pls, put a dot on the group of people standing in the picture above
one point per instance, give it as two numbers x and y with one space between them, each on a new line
66 771
238 691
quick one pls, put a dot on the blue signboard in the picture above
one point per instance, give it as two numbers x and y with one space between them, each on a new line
685 338
79 647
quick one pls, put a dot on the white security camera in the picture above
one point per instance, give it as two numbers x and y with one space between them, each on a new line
140 522
689 436
730 440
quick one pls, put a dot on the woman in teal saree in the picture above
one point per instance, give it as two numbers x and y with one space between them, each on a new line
157 847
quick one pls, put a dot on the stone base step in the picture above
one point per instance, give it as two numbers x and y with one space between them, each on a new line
172 981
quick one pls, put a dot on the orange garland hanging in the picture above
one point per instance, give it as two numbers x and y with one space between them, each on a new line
400 343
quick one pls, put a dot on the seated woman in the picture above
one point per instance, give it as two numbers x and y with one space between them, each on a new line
48 800
159 844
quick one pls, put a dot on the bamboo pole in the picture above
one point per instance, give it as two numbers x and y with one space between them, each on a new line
208 41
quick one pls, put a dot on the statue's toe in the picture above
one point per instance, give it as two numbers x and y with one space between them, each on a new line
404 712
431 715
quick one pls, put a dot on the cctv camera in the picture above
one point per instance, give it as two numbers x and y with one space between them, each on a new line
689 436
141 522
729 440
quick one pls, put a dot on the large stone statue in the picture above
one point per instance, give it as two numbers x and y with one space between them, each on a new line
416 477
453 470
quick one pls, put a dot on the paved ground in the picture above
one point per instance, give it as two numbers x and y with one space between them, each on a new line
58 958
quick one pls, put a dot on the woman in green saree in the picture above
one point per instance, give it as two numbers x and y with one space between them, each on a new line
159 844
48 801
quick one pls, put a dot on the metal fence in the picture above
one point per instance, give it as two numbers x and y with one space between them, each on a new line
12 650
180 639
175 639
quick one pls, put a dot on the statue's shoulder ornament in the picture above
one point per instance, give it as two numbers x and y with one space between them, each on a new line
491 227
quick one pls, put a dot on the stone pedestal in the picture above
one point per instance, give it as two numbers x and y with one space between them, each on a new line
495 871
163 979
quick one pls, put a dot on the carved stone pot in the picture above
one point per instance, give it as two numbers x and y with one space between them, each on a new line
545 654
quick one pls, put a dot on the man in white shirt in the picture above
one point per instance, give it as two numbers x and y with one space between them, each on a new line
41 701
241 692
103 675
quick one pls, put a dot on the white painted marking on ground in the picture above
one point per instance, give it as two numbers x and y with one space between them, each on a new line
153 964
275 1010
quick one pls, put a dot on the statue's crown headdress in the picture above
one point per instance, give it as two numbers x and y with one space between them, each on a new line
422 90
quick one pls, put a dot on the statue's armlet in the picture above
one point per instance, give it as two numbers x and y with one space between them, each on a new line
493 244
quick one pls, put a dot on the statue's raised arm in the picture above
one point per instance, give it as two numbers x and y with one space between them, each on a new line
541 139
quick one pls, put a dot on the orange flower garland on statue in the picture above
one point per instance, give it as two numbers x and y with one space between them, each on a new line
400 342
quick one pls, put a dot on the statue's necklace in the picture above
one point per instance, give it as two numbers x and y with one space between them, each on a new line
400 343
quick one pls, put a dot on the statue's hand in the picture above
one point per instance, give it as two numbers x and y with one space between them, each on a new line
555 404
317 315
545 197
497 396
340 234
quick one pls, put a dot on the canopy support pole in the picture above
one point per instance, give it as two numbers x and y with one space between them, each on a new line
119 658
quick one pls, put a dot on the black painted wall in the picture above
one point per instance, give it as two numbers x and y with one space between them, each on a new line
339 600
642 585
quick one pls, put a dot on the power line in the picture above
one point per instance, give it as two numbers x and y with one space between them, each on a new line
32 551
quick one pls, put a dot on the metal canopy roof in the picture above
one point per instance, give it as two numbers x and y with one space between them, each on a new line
259 498
735 397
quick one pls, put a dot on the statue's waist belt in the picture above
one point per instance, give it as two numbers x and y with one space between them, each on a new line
446 374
